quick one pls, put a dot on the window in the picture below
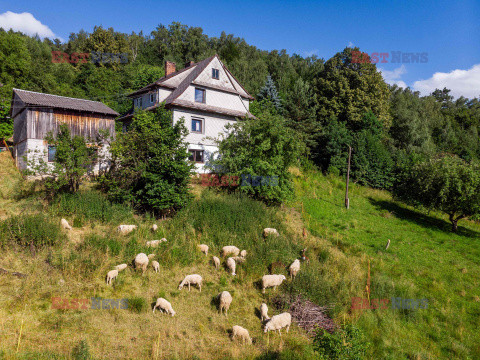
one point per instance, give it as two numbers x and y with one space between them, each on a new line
197 126
199 95
196 156
215 74
51 153
152 98
139 102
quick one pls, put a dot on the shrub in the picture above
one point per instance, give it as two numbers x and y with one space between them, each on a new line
348 343
137 304
81 351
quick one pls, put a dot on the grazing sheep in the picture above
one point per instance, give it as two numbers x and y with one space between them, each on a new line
216 262
233 250
264 312
242 333
238 259
64 223
112 274
231 265
224 301
191 280
153 243
150 256
294 268
164 305
141 262
203 248
121 267
154 227
270 231
125 229
243 253
156 266
272 281
278 322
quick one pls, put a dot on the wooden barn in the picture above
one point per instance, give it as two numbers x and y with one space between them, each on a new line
35 115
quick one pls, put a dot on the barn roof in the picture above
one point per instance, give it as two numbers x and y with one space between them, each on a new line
36 99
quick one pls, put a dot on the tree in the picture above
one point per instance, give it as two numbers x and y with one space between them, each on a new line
150 167
447 184
269 92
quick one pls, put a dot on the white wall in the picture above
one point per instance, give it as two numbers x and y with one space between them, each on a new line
216 98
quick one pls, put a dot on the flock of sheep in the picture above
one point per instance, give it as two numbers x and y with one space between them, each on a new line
224 299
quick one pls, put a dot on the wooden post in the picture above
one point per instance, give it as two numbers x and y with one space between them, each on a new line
347 200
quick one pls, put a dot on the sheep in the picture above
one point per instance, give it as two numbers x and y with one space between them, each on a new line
231 265
121 267
141 261
112 274
64 223
243 253
224 301
191 280
227 250
242 333
164 305
270 231
216 262
203 248
154 227
238 259
155 243
150 256
278 322
125 229
156 266
294 269
272 281
264 312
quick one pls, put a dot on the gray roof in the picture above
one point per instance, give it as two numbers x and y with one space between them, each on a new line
31 98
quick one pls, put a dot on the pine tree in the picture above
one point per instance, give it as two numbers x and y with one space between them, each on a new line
269 92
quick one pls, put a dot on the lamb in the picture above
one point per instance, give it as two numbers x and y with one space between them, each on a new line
121 267
238 259
264 312
155 243
164 305
156 266
294 269
151 256
64 223
194 279
270 231
126 229
112 274
231 265
224 301
154 227
141 261
216 262
227 250
243 253
278 322
242 333
203 248
272 281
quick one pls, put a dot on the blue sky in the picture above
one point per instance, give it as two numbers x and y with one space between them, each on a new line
449 31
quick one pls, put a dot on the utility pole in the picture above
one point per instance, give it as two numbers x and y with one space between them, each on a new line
347 200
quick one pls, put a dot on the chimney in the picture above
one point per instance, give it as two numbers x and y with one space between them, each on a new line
169 68
189 63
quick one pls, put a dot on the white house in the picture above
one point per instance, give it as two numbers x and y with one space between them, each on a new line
205 94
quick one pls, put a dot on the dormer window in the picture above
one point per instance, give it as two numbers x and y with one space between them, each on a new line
200 95
215 74
152 98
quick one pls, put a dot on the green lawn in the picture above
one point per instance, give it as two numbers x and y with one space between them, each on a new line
424 261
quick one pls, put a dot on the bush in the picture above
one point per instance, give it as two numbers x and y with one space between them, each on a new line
37 230
137 304
81 351
348 343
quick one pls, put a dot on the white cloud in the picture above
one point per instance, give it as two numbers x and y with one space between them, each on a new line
311 53
350 45
461 82
26 23
393 76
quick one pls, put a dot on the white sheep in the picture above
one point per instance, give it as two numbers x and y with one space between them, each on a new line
154 227
141 262
272 281
156 266
278 322
111 275
238 259
125 229
231 265
243 253
224 301
294 269
216 262
64 223
155 243
230 250
150 256
203 248
121 267
242 333
270 231
194 279
264 312
164 305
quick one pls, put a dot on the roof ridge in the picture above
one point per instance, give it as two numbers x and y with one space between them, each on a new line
60 96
